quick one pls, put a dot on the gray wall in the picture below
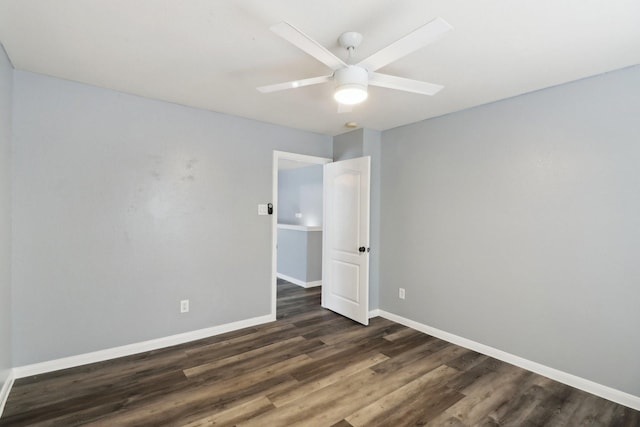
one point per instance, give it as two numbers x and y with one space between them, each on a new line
292 254
517 225
348 145
300 190
123 206
359 143
314 256
300 254
6 86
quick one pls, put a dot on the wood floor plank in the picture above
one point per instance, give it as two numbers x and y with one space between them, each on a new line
594 411
475 373
402 333
235 414
625 417
553 403
257 352
480 401
376 326
342 423
91 380
75 406
247 367
311 367
419 354
199 400
335 402
321 408
567 408
517 410
213 347
303 389
238 345
445 420
420 411
321 368
469 359
404 404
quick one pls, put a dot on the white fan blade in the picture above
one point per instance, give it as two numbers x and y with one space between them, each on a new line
344 108
407 85
294 84
421 37
307 44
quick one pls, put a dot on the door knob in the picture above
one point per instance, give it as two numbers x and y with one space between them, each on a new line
362 249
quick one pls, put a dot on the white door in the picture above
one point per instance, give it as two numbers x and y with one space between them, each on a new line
345 243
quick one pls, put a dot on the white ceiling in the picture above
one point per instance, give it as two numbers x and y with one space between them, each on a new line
212 54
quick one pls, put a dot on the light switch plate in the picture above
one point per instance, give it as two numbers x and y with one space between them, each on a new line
184 306
262 209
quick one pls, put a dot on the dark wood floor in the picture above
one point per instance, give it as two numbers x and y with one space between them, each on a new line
312 368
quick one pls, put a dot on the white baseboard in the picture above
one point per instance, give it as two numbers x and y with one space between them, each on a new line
130 349
314 284
298 281
6 388
603 391
374 313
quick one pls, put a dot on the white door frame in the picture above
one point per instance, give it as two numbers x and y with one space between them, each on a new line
277 156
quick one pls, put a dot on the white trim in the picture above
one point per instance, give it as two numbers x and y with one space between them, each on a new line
128 350
589 386
313 284
6 389
299 227
277 155
374 313
298 281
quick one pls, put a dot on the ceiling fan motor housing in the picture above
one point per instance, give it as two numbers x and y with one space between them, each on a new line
351 84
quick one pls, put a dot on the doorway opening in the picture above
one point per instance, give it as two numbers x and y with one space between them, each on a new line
294 223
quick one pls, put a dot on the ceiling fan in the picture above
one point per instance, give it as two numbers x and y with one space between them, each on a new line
352 80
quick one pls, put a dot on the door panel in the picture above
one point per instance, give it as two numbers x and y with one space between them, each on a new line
345 269
343 275
346 199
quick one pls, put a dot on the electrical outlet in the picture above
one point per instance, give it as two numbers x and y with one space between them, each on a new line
184 306
401 293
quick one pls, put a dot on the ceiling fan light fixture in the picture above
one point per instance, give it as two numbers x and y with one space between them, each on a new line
350 94
352 81
351 85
